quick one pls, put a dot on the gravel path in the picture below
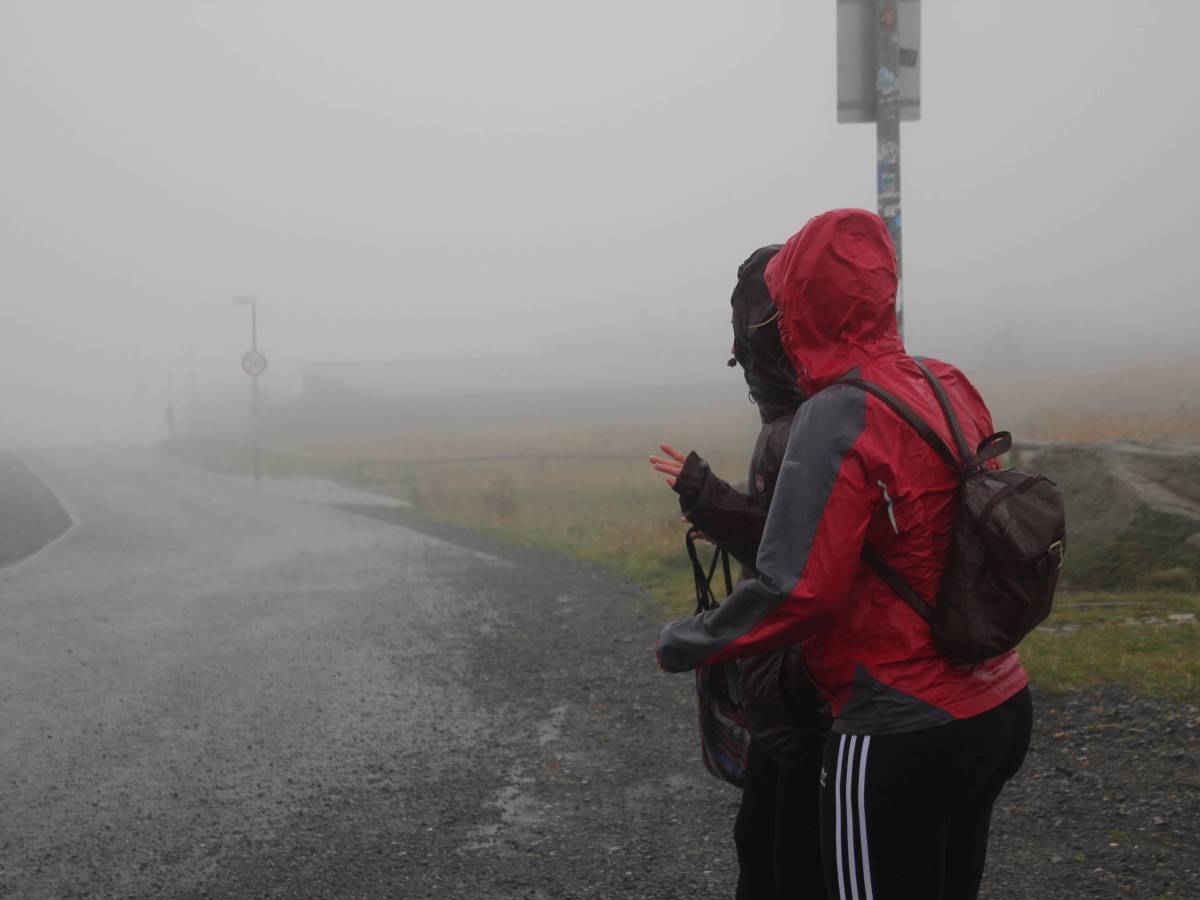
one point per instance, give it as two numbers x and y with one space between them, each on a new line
1106 806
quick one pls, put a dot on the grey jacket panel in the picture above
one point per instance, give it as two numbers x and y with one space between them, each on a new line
688 643
875 708
823 432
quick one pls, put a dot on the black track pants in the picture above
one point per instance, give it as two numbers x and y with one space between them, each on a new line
907 815
777 831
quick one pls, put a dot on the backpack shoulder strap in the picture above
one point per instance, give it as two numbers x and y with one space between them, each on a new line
890 576
896 582
905 412
939 390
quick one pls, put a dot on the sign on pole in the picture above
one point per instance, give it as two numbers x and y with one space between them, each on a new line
254 363
879 80
857 66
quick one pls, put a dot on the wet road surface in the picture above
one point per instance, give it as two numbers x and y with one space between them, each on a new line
213 690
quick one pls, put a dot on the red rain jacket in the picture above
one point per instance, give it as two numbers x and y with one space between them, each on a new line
854 472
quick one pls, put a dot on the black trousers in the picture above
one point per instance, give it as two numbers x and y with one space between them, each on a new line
778 828
907 815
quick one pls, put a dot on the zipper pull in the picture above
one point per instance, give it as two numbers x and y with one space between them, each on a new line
890 508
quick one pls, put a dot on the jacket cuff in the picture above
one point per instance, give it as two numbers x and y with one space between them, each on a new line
690 481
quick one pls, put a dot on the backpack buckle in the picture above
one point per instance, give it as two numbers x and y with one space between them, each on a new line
1058 548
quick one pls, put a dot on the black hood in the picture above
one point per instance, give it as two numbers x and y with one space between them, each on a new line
756 345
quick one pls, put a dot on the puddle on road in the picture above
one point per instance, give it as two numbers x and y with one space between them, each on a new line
520 812
325 493
551 729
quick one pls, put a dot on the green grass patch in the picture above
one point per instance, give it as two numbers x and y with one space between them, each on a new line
1125 638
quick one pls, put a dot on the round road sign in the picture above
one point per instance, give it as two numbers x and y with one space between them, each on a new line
254 363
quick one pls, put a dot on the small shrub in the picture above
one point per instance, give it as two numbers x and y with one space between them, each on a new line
500 499
1155 543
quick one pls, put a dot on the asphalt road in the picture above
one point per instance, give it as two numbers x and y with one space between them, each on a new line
213 690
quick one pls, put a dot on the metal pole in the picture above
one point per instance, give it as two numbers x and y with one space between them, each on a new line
141 395
887 134
254 381
170 413
256 470
192 413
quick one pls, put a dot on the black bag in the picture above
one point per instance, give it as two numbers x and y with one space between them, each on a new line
724 738
1007 548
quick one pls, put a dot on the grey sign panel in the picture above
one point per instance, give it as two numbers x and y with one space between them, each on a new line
857 27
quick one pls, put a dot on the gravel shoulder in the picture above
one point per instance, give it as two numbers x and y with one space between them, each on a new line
617 804
597 788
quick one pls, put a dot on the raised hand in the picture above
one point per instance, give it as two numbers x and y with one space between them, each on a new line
669 467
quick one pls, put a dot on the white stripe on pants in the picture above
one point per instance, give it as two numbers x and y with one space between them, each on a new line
848 805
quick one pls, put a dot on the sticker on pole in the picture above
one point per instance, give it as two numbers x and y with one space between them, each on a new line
861 25
254 363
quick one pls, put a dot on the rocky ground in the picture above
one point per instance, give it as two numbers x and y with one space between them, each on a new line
1107 805
1133 513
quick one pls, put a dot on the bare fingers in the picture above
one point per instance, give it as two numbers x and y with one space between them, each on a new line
673 453
666 466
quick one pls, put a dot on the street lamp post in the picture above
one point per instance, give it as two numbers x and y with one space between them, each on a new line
192 413
169 416
253 364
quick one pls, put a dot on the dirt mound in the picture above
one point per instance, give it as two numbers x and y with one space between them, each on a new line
1133 511
30 515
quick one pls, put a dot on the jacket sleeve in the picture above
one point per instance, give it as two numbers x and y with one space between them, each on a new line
734 520
811 547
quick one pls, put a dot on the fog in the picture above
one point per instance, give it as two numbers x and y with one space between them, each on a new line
561 191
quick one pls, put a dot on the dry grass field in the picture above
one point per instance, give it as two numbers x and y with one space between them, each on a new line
585 489
1181 426
1154 401
582 489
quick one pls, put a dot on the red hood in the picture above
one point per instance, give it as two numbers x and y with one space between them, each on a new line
834 282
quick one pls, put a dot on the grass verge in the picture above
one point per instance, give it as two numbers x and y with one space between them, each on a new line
1148 641
619 514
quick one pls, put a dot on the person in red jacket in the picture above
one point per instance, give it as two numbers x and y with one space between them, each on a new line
922 746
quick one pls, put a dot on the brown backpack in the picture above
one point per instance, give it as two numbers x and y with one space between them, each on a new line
1007 548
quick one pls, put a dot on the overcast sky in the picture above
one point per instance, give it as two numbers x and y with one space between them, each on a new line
558 179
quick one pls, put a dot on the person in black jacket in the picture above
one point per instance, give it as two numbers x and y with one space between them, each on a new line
777 831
